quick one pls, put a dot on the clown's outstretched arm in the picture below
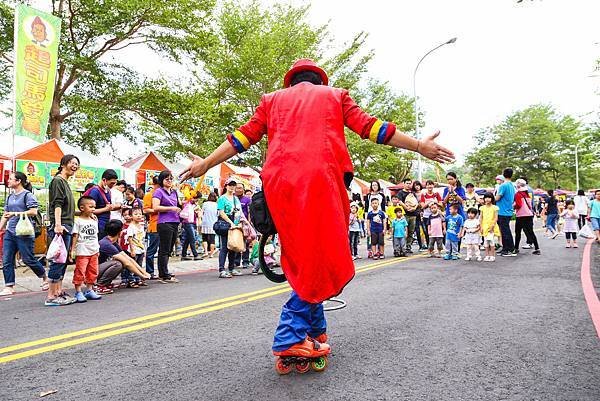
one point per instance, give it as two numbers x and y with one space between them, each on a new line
200 166
426 146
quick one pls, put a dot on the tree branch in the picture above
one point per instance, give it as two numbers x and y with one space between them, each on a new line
73 75
68 114
70 24
109 44
5 57
129 44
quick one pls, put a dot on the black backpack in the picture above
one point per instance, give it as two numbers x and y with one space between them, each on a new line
260 215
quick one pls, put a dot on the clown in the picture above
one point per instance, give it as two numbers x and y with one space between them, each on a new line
304 124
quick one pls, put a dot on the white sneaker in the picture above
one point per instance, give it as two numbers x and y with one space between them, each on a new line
468 258
554 236
486 259
526 246
492 258
479 258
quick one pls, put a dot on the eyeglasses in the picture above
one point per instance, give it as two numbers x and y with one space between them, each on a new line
169 179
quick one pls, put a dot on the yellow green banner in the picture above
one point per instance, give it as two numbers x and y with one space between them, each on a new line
37 35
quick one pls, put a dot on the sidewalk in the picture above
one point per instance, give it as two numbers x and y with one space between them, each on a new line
27 281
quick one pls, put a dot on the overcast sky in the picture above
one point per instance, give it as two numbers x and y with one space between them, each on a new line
507 56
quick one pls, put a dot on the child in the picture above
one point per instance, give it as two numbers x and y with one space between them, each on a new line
399 225
354 230
128 280
454 224
594 214
436 230
571 228
427 198
135 235
269 256
489 228
472 234
376 226
361 219
390 211
84 250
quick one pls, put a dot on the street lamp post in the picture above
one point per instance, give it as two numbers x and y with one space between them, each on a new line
577 166
417 133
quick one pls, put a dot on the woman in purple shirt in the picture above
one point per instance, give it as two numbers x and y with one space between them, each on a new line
166 203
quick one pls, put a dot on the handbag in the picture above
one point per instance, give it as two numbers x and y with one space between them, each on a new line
57 251
221 227
235 240
248 230
24 227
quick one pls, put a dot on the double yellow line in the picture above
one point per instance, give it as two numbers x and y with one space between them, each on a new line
143 322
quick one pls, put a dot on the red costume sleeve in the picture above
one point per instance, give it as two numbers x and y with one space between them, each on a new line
363 124
251 132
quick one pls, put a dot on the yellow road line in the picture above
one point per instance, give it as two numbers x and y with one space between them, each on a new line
132 321
165 317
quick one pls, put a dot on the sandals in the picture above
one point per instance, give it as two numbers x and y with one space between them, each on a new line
45 285
132 284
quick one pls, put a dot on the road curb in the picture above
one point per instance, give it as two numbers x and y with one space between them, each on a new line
589 292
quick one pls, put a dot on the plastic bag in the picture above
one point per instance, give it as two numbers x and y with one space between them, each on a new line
587 232
249 231
57 252
24 227
235 240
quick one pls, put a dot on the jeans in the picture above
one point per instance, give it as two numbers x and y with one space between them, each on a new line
353 236
425 224
225 253
298 319
167 233
412 221
452 247
56 271
190 239
399 245
153 241
551 221
12 244
127 276
508 244
525 224
243 257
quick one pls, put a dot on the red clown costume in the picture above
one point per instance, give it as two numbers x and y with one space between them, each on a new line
308 157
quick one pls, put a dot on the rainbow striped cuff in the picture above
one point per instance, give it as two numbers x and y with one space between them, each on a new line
239 141
381 132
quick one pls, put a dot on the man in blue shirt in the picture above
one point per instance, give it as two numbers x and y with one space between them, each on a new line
505 198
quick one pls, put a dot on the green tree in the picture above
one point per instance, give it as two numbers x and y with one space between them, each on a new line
538 143
372 161
253 49
92 101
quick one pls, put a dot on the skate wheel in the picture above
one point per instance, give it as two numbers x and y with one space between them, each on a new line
303 367
281 367
319 364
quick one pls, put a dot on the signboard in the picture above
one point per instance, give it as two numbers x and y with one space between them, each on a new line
36 172
40 174
37 36
149 175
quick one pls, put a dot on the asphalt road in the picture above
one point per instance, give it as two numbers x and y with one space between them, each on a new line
419 329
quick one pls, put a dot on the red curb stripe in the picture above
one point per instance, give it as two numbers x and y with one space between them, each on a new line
591 297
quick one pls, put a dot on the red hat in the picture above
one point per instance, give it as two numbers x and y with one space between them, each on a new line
304 64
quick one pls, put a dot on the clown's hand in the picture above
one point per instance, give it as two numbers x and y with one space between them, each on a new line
431 150
197 168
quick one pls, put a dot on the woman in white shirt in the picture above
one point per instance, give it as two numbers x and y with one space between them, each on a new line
209 217
581 207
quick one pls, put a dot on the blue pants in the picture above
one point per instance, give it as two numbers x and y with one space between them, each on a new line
298 319
551 220
12 244
153 241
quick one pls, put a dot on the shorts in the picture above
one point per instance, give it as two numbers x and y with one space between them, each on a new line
595 223
377 239
208 238
436 241
571 235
